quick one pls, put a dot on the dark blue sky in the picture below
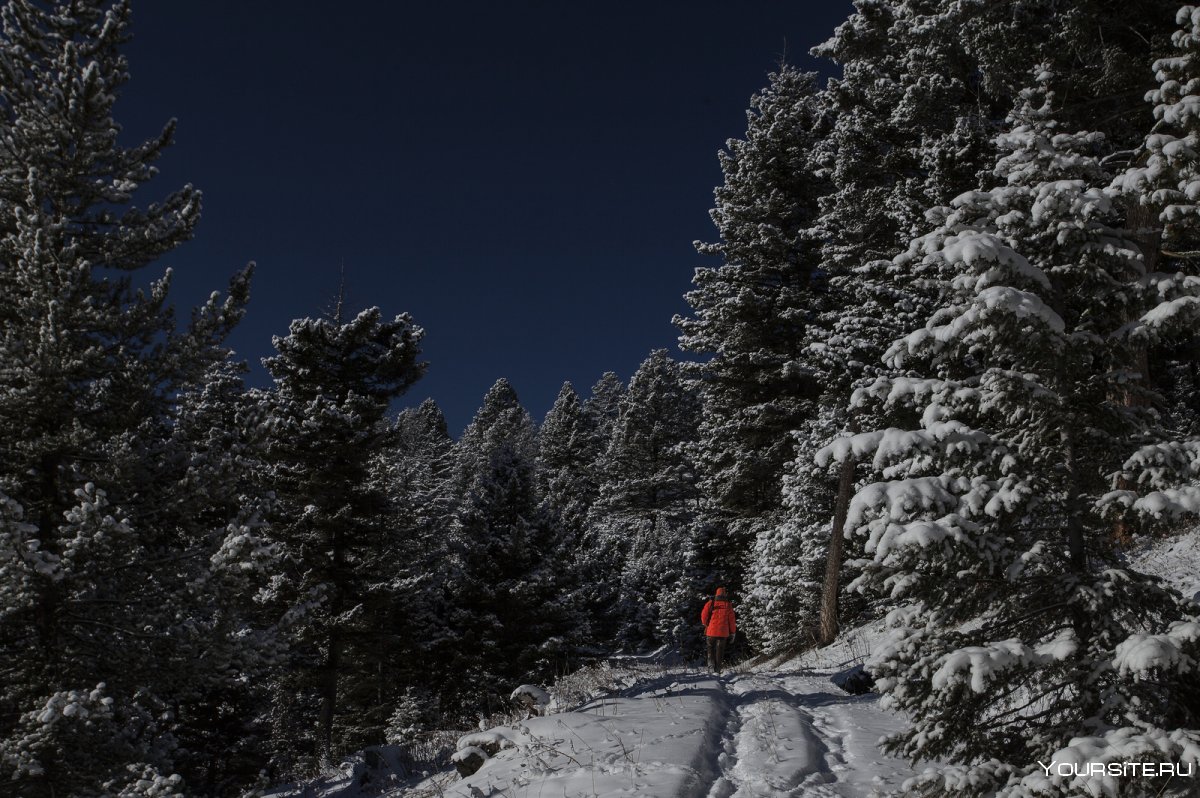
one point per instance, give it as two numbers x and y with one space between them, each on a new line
525 178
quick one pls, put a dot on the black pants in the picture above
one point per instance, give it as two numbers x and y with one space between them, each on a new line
716 652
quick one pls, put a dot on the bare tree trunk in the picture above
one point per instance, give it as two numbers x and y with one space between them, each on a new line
833 559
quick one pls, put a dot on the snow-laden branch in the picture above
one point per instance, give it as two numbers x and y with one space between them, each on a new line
973 316
1141 654
1169 504
894 444
911 392
1177 316
899 500
1164 465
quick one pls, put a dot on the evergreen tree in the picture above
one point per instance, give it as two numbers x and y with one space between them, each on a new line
205 484
333 384
1019 636
503 616
596 568
782 593
568 445
603 407
925 84
647 505
104 635
752 315
1159 186
568 448
413 644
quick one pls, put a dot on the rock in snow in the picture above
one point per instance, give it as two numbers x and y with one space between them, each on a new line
531 697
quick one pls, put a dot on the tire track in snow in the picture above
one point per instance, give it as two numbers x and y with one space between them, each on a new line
771 746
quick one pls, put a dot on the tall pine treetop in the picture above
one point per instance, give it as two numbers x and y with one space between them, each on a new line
367 356
60 71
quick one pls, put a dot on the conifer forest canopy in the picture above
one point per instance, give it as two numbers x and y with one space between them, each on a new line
941 371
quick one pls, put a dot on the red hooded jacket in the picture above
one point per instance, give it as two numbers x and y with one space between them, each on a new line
717 616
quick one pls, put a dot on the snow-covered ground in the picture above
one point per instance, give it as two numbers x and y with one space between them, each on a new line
692 735
1175 559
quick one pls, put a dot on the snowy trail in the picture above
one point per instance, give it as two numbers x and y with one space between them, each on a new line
772 747
692 735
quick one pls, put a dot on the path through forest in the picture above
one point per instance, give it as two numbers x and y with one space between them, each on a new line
694 735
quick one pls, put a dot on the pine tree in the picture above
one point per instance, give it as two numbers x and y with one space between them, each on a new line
925 85
507 627
595 569
205 484
1157 184
568 445
644 515
568 448
333 384
98 571
413 644
752 314
603 407
782 594
1019 637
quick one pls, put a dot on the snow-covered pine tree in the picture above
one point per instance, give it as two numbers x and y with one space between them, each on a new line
1160 187
910 130
333 384
98 561
912 127
1019 637
507 627
569 446
925 84
206 485
782 592
903 124
604 405
897 127
501 408
413 643
751 314
647 505
596 568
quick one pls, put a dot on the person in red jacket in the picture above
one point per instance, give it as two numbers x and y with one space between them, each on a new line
720 625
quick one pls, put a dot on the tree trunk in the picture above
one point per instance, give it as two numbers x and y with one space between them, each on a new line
1081 619
333 653
833 559
329 693
49 601
1145 230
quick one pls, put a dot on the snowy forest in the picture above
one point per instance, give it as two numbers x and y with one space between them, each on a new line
947 372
